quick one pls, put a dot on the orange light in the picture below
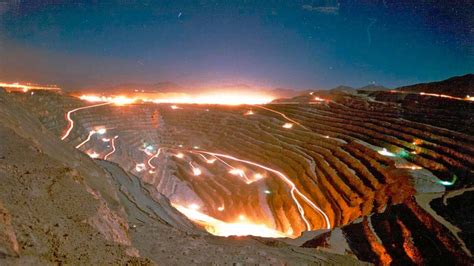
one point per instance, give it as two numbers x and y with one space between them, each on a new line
227 98
26 87
117 100
93 154
249 112
221 228
318 99
293 189
196 170
467 98
209 161
139 167
408 166
236 171
71 122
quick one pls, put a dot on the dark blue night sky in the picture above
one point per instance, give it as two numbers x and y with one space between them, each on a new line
290 44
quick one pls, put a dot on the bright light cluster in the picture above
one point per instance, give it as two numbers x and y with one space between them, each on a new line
249 112
208 98
242 227
287 125
318 99
26 87
118 100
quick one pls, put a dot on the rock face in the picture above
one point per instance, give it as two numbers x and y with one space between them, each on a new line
352 162
46 199
8 243
402 234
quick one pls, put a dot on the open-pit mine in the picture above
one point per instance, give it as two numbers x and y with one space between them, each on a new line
334 177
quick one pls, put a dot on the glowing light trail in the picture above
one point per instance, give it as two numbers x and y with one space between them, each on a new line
92 132
235 171
289 125
87 139
71 122
112 143
209 161
467 98
27 86
283 115
447 96
288 181
153 157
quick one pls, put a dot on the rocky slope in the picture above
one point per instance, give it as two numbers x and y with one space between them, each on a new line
59 206
376 165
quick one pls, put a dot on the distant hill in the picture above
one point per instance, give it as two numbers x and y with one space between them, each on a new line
373 87
343 89
459 86
308 96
